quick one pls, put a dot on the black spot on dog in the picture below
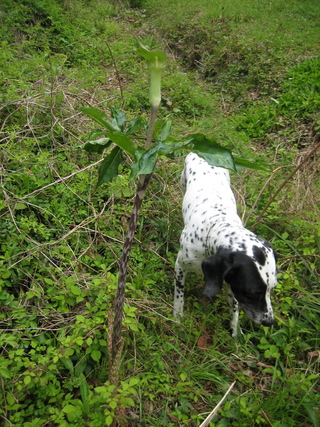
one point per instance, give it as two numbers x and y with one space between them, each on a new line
259 255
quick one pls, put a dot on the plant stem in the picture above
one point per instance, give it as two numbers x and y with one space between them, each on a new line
123 268
117 324
153 116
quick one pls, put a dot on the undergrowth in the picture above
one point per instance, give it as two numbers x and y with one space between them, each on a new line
61 239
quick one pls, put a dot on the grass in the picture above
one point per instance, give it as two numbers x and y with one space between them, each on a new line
61 240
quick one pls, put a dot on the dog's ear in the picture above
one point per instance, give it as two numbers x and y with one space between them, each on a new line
215 268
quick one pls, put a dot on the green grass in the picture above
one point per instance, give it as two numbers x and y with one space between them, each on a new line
239 46
61 239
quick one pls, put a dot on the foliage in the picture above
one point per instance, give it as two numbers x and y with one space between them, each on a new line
61 239
299 97
230 44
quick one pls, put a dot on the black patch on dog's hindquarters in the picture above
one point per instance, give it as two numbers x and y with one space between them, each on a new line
259 255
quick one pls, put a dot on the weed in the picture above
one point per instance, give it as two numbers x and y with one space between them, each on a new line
61 241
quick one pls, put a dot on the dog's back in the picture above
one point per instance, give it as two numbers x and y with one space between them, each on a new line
207 199
207 192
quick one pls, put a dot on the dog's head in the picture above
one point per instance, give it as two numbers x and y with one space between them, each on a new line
251 279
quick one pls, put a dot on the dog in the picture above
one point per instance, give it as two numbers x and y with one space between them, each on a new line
215 242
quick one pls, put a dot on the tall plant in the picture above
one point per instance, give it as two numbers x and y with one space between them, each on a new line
120 136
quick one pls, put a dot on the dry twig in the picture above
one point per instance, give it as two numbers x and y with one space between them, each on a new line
215 410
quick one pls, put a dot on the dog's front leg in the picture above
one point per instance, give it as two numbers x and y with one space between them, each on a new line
179 284
234 313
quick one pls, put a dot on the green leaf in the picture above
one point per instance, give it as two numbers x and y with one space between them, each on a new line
133 327
20 206
99 117
183 376
97 146
155 58
123 142
109 420
69 409
109 167
75 290
251 164
133 381
4 372
214 153
119 118
145 162
27 379
162 130
96 355
168 147
10 399
67 363
129 401
135 125
84 392
80 366
113 404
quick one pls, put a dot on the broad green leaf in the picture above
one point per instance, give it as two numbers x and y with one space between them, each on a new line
5 373
109 420
146 160
75 290
113 404
109 167
214 153
162 130
10 399
135 125
133 381
27 379
99 117
97 146
251 164
96 354
145 163
135 165
129 401
168 147
122 141
119 118
69 409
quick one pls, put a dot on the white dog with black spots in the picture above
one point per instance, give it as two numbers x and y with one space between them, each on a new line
215 243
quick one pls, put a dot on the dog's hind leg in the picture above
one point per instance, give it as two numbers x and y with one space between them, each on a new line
180 276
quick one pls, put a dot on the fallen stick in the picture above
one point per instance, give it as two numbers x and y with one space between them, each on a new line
215 410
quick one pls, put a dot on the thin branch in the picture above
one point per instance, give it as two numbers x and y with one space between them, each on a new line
260 193
284 183
117 72
215 410
61 179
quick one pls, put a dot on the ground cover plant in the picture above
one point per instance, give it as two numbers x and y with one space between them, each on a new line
61 238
